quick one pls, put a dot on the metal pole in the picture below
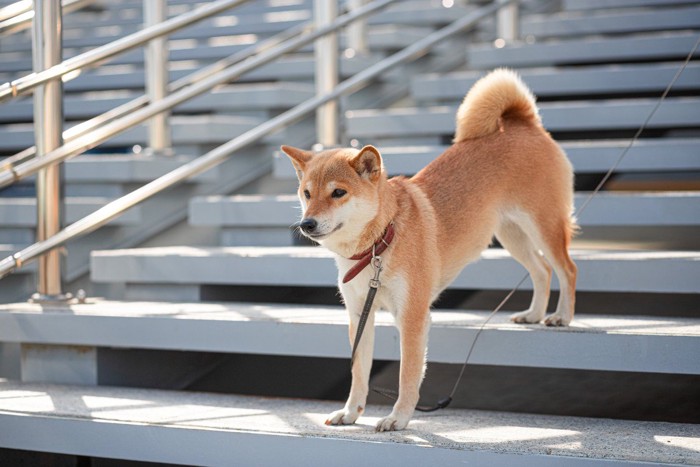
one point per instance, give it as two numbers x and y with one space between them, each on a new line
156 61
357 31
507 20
326 54
48 129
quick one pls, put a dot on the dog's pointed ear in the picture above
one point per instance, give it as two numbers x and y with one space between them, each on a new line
367 163
299 158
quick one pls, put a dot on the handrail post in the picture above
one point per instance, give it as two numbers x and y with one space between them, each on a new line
357 31
508 22
326 55
48 129
156 61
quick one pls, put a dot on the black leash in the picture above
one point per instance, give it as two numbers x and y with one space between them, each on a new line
443 403
373 286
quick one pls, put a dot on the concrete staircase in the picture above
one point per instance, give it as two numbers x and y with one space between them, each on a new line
220 327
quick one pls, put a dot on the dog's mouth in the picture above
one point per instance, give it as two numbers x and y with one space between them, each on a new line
321 236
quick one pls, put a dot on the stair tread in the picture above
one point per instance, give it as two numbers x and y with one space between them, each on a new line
190 129
613 271
605 79
21 212
255 429
379 38
556 116
669 154
292 67
642 47
319 314
265 96
611 4
607 22
608 343
607 208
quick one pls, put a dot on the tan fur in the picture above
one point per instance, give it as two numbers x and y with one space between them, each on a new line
504 176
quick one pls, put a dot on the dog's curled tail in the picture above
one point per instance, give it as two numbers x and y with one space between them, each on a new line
500 94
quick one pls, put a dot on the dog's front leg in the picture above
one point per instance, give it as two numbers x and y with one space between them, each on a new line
355 404
413 328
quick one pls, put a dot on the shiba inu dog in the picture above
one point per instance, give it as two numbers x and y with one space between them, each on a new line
504 176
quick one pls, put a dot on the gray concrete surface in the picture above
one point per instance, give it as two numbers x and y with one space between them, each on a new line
641 344
291 426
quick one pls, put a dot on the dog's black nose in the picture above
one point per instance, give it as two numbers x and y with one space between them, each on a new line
308 225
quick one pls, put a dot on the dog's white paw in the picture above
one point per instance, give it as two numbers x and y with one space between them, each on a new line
527 316
557 319
343 417
392 423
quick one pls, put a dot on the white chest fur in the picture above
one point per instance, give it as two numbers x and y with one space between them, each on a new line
391 294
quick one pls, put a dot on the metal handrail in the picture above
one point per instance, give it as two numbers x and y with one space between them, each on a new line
18 16
15 9
99 54
90 140
221 153
8 164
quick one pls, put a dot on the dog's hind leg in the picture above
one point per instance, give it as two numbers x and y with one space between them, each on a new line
523 250
556 238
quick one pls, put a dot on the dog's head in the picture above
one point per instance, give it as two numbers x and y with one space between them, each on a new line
338 189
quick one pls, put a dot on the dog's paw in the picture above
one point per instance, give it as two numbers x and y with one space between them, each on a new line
527 316
557 319
343 417
392 423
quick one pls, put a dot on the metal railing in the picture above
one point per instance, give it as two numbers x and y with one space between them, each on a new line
48 106
8 172
100 134
221 153
100 54
19 15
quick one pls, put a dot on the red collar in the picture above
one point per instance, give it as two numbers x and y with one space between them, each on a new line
364 258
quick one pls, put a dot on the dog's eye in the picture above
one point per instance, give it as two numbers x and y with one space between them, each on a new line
338 193
307 194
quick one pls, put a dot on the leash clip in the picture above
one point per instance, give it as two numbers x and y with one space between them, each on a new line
377 266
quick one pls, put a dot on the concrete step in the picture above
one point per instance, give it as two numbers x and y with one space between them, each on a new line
380 38
663 46
237 98
600 271
127 168
239 21
628 209
293 67
108 26
190 428
177 6
548 83
605 343
248 16
611 22
579 116
612 4
186 131
157 215
616 217
111 175
647 155
21 212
